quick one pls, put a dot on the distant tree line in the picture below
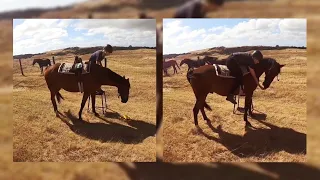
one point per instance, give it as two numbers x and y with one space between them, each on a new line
82 51
230 50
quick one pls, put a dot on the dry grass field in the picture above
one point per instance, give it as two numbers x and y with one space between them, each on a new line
280 112
39 136
77 171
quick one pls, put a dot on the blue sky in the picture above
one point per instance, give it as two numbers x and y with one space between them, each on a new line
185 35
40 35
8 5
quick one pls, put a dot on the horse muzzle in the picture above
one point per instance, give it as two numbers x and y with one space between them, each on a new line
124 100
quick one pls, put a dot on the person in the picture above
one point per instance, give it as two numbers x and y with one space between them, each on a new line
197 8
234 63
98 56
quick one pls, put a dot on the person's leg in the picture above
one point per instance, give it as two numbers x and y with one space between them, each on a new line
236 72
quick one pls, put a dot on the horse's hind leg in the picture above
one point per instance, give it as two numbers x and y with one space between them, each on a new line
195 113
202 105
83 103
54 103
199 105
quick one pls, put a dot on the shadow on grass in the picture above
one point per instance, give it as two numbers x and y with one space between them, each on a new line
260 142
135 133
257 115
195 171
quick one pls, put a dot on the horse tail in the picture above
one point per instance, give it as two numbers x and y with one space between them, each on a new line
59 97
207 106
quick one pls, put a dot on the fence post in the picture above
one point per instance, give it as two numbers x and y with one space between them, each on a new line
21 68
53 60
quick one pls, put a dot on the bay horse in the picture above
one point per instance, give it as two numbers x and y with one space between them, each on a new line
91 83
193 63
42 63
168 64
204 80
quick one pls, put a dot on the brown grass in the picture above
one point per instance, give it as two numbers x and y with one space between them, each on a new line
39 136
283 104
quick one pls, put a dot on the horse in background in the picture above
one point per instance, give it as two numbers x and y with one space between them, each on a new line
214 60
168 64
42 63
193 63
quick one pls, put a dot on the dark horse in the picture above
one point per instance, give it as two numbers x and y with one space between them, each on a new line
42 63
214 60
168 64
204 81
91 83
193 63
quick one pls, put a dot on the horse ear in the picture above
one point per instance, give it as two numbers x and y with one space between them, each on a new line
281 65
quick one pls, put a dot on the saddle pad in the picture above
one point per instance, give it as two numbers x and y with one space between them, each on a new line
223 71
65 68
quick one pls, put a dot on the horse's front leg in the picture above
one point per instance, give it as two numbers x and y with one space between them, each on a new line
250 109
174 70
93 97
247 107
83 103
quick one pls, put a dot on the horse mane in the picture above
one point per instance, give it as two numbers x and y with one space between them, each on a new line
269 62
111 74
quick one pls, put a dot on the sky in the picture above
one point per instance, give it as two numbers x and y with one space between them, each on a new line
8 5
185 35
41 35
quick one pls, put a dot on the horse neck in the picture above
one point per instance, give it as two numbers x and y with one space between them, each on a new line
259 72
110 78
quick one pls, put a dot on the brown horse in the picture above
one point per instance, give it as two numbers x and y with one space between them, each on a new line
91 82
168 64
204 81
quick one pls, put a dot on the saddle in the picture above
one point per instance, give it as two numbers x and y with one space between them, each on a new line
223 71
70 68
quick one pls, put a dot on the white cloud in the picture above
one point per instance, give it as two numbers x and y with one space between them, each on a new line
7 5
179 38
39 35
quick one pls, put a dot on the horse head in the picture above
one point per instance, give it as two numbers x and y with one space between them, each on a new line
123 89
272 69
183 62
